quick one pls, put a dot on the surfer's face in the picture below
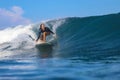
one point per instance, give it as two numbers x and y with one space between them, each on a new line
42 27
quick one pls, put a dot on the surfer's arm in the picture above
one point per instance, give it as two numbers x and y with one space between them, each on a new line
38 36
50 31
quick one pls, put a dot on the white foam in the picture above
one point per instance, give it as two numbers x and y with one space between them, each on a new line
16 40
9 34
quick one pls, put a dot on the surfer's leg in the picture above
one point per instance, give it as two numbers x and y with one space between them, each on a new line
41 37
44 36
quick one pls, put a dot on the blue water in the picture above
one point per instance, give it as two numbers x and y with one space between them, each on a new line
83 49
59 69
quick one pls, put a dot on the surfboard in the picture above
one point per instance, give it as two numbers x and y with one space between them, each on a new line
42 44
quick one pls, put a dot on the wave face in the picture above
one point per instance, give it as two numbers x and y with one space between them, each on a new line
96 37
90 37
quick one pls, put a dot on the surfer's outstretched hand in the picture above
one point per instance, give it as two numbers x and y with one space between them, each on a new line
54 35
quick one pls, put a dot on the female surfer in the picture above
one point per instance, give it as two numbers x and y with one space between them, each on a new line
44 32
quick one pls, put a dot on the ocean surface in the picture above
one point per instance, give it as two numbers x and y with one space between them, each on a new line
85 48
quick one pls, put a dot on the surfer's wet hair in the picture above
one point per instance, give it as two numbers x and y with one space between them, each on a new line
41 25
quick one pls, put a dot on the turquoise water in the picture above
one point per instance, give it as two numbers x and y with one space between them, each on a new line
59 69
83 49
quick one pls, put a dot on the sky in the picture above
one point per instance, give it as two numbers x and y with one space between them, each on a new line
16 12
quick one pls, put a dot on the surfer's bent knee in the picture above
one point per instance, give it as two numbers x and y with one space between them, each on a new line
44 35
